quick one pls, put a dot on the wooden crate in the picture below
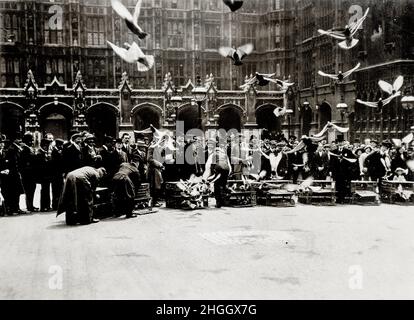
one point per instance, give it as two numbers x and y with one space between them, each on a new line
241 199
391 192
102 206
174 198
322 192
273 193
364 193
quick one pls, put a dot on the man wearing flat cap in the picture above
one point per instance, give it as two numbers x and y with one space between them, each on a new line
90 154
72 153
28 170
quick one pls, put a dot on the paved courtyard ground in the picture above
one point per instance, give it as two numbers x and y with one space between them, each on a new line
304 252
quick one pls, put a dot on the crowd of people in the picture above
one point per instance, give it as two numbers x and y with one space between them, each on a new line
69 171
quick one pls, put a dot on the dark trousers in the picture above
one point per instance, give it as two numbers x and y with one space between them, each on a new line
29 185
45 195
343 189
57 187
220 186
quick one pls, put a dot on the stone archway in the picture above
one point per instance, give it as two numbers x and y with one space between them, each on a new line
146 114
102 120
188 113
266 119
11 119
230 117
56 118
325 114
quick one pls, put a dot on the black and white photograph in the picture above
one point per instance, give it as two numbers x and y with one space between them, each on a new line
223 150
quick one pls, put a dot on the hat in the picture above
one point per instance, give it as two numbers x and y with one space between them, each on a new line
59 142
405 171
76 136
387 144
28 136
45 141
108 139
140 143
118 140
368 147
89 136
374 141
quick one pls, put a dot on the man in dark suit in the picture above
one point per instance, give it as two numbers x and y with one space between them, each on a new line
125 183
57 169
320 164
72 153
14 179
125 139
378 162
28 170
44 173
78 195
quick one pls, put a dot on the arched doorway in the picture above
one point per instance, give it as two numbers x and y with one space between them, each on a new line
56 119
145 115
266 119
306 120
230 117
189 115
11 119
102 121
325 114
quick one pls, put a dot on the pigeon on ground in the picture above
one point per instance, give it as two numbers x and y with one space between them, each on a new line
130 20
340 77
260 79
134 54
234 5
391 89
237 55
380 103
346 35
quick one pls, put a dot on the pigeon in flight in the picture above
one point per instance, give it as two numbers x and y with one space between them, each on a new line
340 77
380 103
280 112
134 54
328 126
391 89
346 35
130 20
237 55
260 79
234 5
284 84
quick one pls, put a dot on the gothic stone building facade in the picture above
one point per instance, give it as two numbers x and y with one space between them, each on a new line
57 72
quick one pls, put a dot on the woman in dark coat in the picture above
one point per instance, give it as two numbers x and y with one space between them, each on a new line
125 183
78 195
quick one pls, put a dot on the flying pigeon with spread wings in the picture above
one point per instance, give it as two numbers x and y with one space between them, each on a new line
260 79
284 85
234 5
280 112
329 126
341 76
237 55
130 20
134 54
347 34
380 103
389 88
